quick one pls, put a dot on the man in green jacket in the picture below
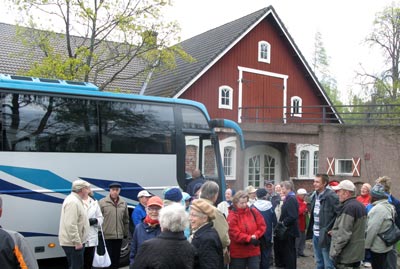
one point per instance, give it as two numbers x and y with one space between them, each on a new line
116 222
348 232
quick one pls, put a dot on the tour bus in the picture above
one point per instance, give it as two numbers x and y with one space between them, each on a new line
54 132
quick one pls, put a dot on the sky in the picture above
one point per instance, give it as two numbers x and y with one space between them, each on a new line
344 24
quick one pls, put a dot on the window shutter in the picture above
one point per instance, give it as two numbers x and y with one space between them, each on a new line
356 167
331 166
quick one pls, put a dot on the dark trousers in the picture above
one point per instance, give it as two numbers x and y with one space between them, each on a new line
301 243
249 263
74 257
378 260
266 256
114 250
288 247
279 255
88 257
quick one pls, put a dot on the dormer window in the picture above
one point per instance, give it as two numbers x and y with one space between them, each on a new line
225 97
264 52
296 106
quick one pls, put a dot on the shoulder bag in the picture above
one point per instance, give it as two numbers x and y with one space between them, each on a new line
101 258
280 231
391 235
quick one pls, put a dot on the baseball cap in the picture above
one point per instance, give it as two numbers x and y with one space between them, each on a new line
143 193
268 182
155 200
345 185
301 191
79 184
250 189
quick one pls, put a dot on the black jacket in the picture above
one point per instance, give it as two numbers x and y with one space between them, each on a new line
167 251
290 215
328 211
209 248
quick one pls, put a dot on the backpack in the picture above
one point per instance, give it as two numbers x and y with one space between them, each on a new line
396 203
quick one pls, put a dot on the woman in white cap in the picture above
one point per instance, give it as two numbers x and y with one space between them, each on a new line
303 211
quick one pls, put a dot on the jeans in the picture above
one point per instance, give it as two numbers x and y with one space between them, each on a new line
240 263
74 257
322 259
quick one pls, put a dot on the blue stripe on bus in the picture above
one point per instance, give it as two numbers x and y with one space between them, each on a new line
43 178
30 234
129 190
15 190
54 183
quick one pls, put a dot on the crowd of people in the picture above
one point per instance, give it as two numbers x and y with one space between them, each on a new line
251 228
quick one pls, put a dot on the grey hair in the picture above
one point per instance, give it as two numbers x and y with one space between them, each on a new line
208 190
288 185
174 218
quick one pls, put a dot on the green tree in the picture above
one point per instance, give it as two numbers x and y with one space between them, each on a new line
102 41
320 67
381 89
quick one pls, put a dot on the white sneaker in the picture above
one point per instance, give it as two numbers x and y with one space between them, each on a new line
367 265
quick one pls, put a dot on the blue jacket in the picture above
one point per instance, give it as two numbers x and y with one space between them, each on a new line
138 214
266 210
143 232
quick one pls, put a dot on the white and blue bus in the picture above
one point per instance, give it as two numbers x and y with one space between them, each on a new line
54 132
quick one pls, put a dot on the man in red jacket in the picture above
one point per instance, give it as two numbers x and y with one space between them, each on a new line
301 240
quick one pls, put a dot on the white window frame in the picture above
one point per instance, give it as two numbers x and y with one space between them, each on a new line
306 166
230 157
261 58
339 173
298 113
311 149
230 142
220 97
315 162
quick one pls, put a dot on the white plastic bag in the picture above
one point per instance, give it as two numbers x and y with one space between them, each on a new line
101 260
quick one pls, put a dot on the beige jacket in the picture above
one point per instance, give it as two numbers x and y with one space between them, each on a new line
74 223
220 225
116 218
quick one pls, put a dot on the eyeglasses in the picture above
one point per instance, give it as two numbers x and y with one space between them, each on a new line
153 209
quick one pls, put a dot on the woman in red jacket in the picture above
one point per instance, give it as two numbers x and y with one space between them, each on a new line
301 240
246 227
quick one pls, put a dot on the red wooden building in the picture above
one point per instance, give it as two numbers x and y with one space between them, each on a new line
251 71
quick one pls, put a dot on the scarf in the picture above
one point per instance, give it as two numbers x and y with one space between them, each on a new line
150 221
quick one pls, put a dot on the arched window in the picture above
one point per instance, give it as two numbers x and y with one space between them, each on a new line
296 106
315 168
225 97
228 161
264 52
307 156
304 162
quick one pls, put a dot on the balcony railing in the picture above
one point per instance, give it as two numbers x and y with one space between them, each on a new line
344 114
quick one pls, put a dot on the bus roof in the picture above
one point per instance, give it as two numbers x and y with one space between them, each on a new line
83 89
